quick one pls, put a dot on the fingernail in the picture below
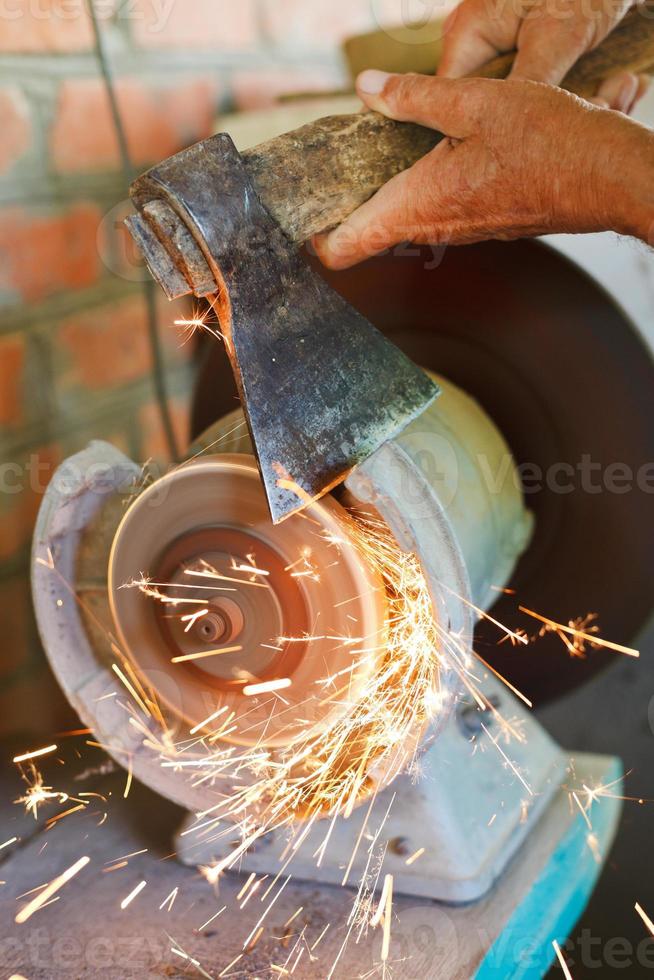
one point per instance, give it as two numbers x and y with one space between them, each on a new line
371 82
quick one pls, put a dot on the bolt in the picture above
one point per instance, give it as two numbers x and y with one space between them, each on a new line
400 846
211 627
471 717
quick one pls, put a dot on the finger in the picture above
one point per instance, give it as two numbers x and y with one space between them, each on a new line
620 91
644 82
465 50
381 222
448 105
471 38
550 62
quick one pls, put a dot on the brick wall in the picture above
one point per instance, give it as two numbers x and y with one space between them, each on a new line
74 358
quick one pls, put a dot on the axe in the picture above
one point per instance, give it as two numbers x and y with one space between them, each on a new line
322 389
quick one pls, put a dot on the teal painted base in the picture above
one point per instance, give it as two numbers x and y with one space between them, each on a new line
560 894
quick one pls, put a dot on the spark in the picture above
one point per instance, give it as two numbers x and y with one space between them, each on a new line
207 721
178 951
50 889
130 687
593 845
115 867
35 754
564 965
132 854
170 899
199 321
267 687
191 618
500 677
246 886
128 781
414 857
321 936
646 919
580 635
294 916
201 654
250 569
509 763
230 965
386 942
211 919
37 793
51 821
132 895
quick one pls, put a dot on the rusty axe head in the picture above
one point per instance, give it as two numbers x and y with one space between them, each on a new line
322 389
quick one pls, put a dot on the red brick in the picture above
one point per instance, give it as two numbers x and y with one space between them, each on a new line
28 26
224 25
261 89
318 24
108 346
23 481
41 254
104 347
158 121
153 441
15 125
12 360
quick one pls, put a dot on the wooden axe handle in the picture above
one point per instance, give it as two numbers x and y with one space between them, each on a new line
314 177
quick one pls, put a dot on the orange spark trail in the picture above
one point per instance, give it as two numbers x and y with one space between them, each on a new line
132 895
205 653
35 753
414 857
646 919
267 686
592 638
564 965
46 894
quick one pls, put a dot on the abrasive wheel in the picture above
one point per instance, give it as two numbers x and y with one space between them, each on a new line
240 617
567 379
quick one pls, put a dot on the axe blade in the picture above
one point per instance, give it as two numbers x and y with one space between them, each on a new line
322 389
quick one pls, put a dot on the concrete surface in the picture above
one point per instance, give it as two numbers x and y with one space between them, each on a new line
86 934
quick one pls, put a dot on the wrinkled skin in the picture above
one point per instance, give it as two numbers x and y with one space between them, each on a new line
548 35
520 158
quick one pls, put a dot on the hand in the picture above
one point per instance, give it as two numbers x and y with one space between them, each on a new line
549 36
519 158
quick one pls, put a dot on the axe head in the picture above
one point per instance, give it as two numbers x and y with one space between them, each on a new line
322 389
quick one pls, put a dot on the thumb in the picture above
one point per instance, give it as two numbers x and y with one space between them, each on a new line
398 211
445 104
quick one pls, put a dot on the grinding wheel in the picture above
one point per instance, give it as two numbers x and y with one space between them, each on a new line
564 375
234 602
